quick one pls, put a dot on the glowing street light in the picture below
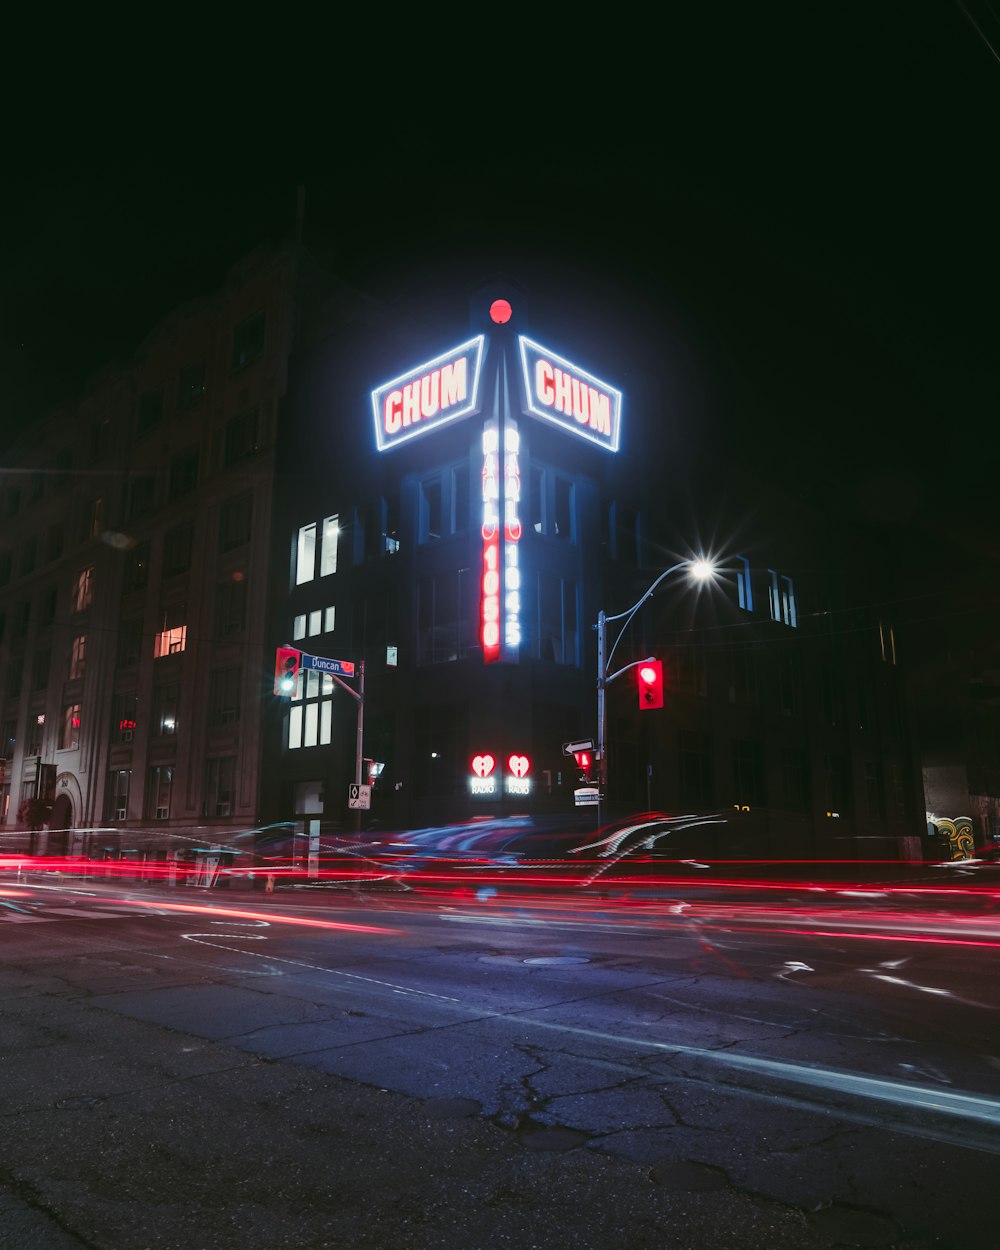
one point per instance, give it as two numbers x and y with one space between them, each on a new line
701 569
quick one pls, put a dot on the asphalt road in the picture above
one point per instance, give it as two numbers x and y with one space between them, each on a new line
195 1069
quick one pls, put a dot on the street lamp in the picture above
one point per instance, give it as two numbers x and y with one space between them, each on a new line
698 570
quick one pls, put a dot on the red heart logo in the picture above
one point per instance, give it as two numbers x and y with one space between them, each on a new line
518 765
483 765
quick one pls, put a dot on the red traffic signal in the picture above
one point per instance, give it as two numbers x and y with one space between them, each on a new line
286 670
650 684
583 761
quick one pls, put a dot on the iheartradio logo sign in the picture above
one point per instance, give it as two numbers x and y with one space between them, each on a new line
519 765
483 765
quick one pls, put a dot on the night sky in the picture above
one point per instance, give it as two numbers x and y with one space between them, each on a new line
805 214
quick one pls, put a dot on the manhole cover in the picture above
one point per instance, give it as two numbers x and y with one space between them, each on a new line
558 959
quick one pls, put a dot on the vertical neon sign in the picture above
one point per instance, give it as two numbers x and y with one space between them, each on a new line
512 536
489 624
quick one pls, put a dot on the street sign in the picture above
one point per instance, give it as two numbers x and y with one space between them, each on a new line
322 664
586 795
585 744
359 798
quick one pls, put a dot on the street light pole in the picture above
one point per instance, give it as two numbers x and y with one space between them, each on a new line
700 570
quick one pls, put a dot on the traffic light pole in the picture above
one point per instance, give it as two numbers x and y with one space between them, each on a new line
359 761
700 569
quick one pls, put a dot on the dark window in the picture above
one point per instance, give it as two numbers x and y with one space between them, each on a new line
536 499
116 794
55 541
838 784
219 796
242 436
248 340
184 473
8 737
789 683
150 410
748 773
191 384
91 519
460 499
141 496
15 675
129 642
442 618
695 769
29 553
231 607
5 567
21 620
235 522
563 508
177 547
136 572
40 669
159 787
390 513
47 605
224 696
430 509
743 675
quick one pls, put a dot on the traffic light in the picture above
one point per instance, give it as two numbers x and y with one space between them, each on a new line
583 762
286 670
650 684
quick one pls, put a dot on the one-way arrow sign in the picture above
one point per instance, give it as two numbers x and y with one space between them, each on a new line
571 748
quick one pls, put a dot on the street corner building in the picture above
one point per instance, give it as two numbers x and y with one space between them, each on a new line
310 560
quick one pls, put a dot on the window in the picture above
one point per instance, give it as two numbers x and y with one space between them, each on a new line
69 728
390 516
141 496
748 773
40 669
100 439
177 548
248 341
55 541
328 547
83 590
165 699
159 786
875 788
430 510
794 779
6 563
116 794
150 410
29 553
563 509
21 619
460 499
695 771
557 632
77 656
242 437
129 642
224 696
310 717
172 638
135 575
15 675
235 522
329 617
49 600
8 737
781 599
183 473
231 606
442 620
744 586
124 712
536 499
305 554
219 795
887 642
191 384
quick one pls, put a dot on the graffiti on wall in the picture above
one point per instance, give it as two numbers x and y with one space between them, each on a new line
955 835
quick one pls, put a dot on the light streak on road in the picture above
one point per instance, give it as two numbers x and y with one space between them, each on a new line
266 917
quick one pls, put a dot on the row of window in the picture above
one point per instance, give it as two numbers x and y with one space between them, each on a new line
747 788
780 593
224 708
218 800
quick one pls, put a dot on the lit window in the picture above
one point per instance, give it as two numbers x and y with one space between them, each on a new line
69 730
116 794
161 783
328 549
744 587
83 590
305 555
329 615
78 656
299 628
314 622
172 638
789 613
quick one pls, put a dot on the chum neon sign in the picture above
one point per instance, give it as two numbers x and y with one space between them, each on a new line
431 395
563 393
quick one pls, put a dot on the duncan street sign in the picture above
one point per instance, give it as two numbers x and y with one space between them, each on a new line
322 664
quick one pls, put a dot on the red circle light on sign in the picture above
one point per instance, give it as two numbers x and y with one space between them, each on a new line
647 673
500 312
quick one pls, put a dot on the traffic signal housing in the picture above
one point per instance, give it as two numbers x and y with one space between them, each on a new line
650 684
584 761
286 671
